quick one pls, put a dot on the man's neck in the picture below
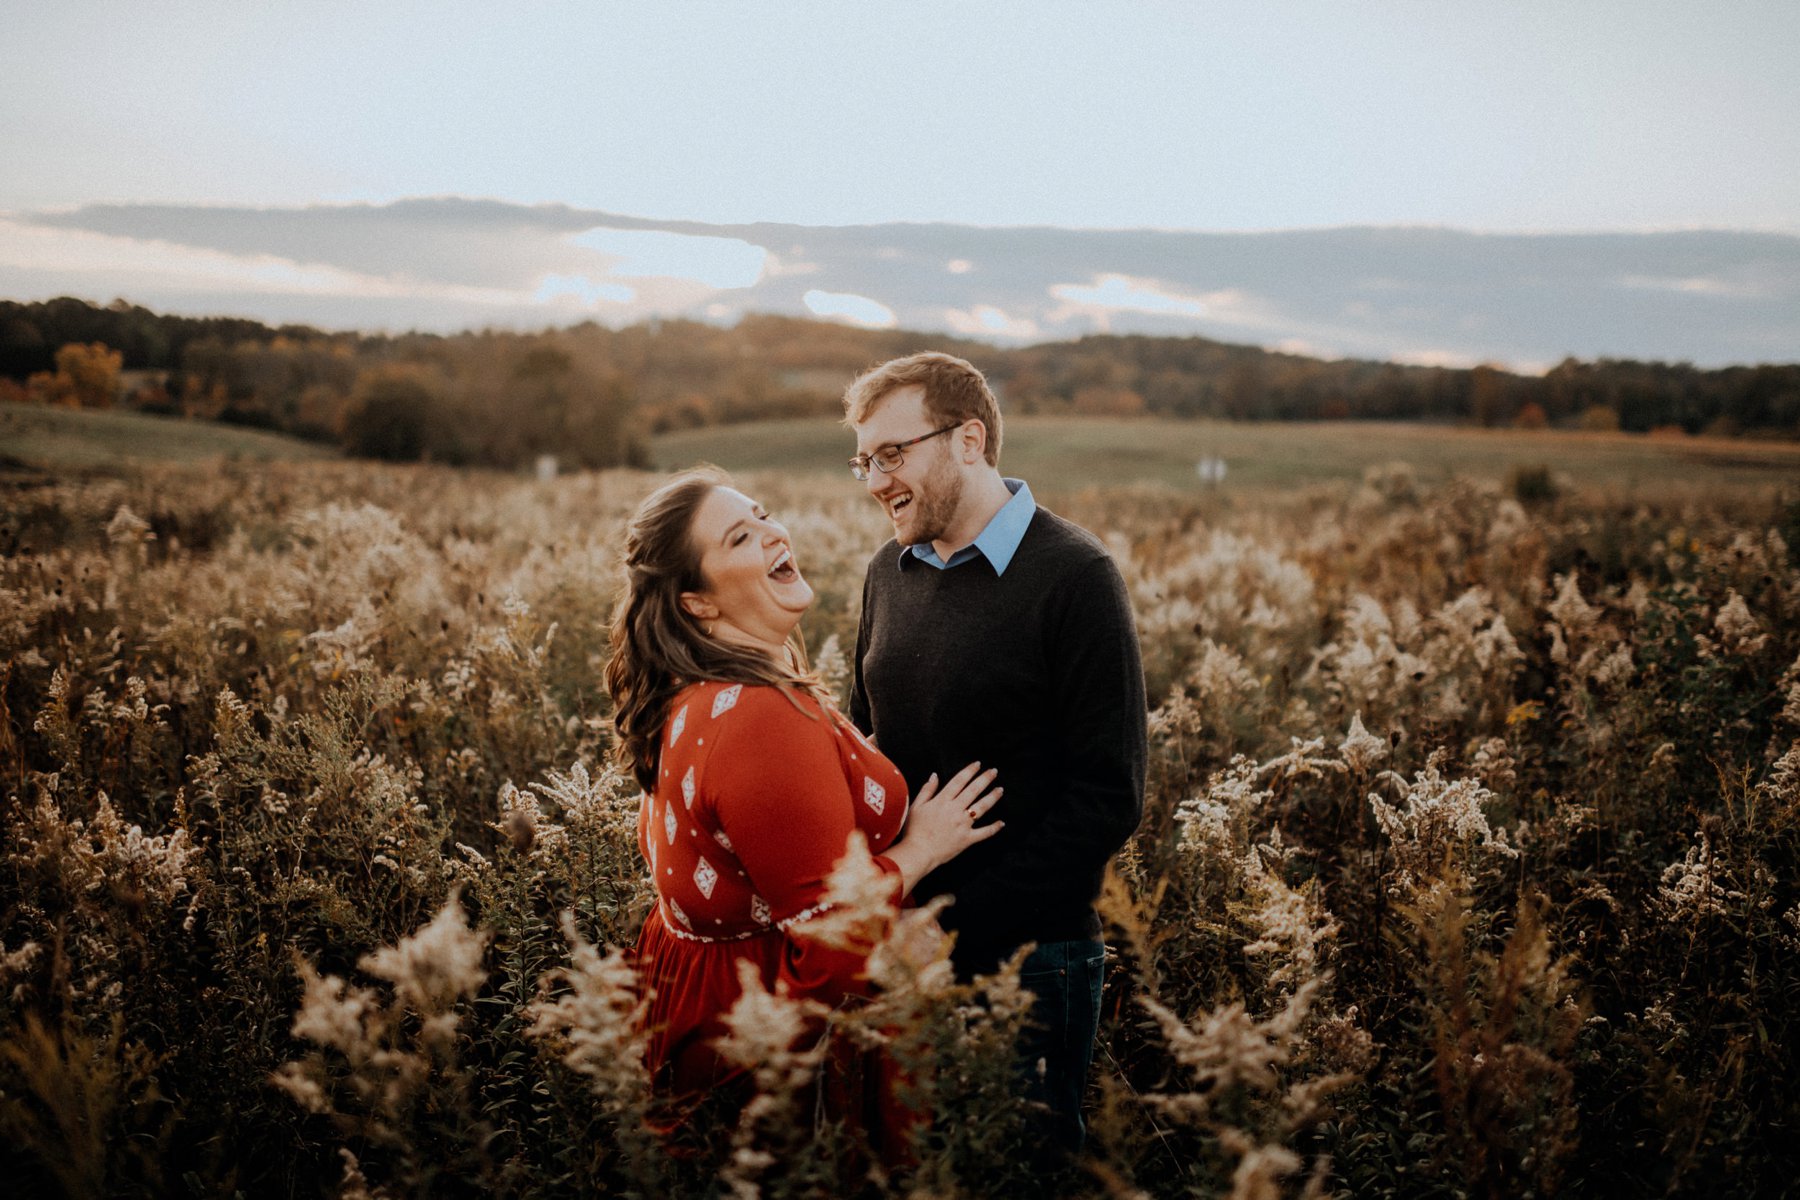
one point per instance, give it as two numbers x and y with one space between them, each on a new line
985 495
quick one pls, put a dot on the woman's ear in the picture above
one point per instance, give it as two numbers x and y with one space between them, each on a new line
698 606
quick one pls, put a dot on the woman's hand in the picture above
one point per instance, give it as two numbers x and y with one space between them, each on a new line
942 821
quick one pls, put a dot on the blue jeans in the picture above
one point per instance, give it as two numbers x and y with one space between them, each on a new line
1065 977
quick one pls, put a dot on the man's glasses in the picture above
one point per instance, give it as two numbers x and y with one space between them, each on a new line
887 460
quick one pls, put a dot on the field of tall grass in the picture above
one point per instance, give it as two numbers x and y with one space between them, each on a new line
1469 867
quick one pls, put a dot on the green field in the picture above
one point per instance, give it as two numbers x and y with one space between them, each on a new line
1056 453
1068 452
62 438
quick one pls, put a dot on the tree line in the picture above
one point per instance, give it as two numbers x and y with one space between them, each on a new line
592 395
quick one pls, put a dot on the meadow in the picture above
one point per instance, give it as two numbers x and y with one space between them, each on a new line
1469 866
1071 453
72 439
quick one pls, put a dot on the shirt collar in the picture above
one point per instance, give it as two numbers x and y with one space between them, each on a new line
998 540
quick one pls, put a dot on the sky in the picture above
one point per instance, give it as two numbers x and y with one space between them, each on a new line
1526 117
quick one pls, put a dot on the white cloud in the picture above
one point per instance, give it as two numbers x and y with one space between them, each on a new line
1433 358
959 266
1123 293
1696 285
777 266
984 320
858 310
585 291
717 262
103 263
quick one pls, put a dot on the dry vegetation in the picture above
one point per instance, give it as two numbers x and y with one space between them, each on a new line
1469 869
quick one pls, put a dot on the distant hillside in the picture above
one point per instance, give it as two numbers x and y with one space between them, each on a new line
1413 294
592 394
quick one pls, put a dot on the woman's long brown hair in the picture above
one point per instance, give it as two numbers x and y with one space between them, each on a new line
658 647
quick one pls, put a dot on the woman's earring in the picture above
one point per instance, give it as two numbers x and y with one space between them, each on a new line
708 627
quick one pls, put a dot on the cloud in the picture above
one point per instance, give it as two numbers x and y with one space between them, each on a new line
847 306
778 267
959 266
1433 358
717 262
1698 285
580 288
1121 292
1224 312
986 321
122 266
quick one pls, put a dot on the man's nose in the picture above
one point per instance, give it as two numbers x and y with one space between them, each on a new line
876 481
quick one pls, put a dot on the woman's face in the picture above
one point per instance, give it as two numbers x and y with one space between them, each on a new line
751 588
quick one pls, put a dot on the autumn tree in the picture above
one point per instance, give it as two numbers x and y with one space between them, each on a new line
1488 401
86 376
397 414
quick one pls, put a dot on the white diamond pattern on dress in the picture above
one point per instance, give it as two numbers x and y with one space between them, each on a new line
719 837
759 909
705 878
687 789
669 823
677 725
874 795
725 699
680 916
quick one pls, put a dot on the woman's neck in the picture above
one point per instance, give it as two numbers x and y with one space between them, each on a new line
766 643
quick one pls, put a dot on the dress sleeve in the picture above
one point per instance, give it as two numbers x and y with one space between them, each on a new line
780 795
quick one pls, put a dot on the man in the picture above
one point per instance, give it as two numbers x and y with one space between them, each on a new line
995 630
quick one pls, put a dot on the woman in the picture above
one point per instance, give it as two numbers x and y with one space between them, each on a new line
753 781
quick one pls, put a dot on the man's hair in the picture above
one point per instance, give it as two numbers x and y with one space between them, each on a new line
954 391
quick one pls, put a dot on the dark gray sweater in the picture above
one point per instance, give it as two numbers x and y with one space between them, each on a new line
1035 672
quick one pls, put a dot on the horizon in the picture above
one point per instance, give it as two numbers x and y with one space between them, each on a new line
1413 294
808 318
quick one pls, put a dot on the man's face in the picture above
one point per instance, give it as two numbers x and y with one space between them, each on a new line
921 496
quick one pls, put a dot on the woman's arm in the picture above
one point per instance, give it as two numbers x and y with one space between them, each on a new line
778 791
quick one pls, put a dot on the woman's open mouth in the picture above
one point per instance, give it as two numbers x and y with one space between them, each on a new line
784 570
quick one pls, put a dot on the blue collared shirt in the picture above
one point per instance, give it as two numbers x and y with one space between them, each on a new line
998 540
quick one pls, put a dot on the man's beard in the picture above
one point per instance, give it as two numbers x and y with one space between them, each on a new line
934 507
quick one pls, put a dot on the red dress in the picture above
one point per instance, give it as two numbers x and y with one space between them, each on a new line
754 804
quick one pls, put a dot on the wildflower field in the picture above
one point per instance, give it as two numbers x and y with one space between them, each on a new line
1469 866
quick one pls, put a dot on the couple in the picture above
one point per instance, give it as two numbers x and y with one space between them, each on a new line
994 749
